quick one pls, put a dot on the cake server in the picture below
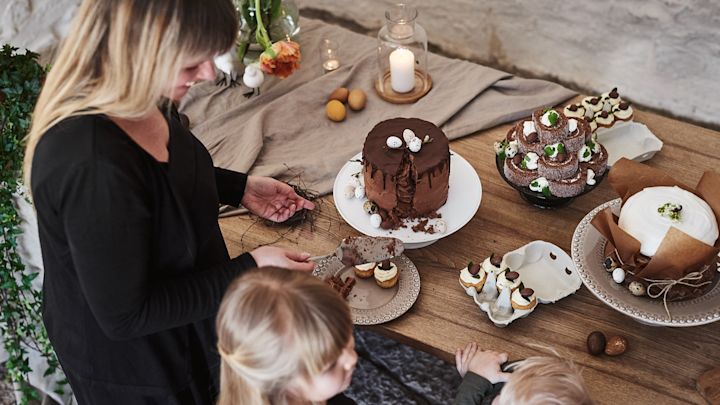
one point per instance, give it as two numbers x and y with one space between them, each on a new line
355 250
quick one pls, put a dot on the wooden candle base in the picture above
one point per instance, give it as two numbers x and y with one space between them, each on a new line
423 84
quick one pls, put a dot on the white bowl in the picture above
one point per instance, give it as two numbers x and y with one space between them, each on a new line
630 140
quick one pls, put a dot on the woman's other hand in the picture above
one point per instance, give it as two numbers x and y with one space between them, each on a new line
280 257
272 199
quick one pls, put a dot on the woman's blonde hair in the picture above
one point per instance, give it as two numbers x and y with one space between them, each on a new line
545 380
120 56
275 325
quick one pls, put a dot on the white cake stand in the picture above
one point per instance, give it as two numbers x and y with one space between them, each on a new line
464 196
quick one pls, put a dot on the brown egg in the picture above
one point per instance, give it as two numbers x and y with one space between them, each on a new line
596 343
357 99
335 110
339 94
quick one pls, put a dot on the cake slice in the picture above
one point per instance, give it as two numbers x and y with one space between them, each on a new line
568 187
551 125
516 173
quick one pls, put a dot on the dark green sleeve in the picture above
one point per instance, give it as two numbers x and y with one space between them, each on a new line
473 390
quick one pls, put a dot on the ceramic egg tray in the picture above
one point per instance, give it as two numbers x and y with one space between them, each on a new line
542 266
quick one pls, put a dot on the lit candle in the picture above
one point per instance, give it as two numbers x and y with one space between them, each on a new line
402 70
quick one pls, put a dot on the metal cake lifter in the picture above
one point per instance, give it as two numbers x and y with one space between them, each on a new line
355 250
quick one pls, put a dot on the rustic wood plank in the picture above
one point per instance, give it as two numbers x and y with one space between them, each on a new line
662 364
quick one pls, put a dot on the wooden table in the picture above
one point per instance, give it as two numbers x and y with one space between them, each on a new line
662 363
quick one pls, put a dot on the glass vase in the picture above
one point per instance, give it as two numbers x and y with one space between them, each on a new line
280 17
402 56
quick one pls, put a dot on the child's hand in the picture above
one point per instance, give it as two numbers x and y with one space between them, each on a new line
485 363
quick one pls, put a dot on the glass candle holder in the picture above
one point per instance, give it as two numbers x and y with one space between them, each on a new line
329 50
402 53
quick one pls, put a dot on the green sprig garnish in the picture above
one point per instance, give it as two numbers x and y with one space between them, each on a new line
553 117
549 150
546 191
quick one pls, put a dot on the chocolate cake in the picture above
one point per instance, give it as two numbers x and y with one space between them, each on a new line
405 182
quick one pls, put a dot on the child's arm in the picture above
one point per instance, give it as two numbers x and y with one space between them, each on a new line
480 369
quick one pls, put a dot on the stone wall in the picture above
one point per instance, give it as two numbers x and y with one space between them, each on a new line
663 54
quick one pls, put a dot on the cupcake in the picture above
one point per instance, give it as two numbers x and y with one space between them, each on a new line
574 111
593 104
523 299
473 276
365 270
612 96
605 119
623 111
492 264
508 279
386 274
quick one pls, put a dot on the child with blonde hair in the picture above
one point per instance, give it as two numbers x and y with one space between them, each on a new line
535 380
284 338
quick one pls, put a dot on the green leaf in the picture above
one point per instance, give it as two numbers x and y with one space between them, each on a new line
523 164
561 148
546 191
553 117
275 9
549 150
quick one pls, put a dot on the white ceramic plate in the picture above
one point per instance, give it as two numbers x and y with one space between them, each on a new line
542 266
588 246
464 195
630 140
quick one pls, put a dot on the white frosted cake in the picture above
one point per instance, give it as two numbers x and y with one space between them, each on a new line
648 215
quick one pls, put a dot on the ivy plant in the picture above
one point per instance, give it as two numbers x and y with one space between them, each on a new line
21 78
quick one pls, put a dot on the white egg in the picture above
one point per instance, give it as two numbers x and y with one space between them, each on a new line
349 191
440 226
393 142
618 275
375 220
415 145
408 134
359 192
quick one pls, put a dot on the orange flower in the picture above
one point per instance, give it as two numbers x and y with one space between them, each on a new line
286 60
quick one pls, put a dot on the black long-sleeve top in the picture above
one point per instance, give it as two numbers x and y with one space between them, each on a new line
135 264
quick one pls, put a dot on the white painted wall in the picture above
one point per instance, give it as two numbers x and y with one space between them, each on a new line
663 54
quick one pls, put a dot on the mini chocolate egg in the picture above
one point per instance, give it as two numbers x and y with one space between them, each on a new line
349 191
375 220
335 110
440 226
408 134
370 207
618 275
415 145
357 99
637 288
393 142
359 192
340 94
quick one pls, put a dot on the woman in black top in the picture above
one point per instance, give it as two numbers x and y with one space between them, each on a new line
127 203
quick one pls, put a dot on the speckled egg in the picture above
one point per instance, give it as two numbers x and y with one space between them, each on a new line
359 192
408 134
415 145
440 226
370 207
393 142
637 288
349 191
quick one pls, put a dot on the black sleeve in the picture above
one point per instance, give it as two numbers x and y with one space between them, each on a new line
108 226
473 390
230 186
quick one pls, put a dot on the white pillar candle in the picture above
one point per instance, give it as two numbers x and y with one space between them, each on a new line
402 70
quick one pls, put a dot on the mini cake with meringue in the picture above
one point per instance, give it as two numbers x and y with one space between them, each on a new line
523 299
508 279
386 274
365 270
473 276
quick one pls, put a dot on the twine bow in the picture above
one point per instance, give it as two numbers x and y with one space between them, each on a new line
666 285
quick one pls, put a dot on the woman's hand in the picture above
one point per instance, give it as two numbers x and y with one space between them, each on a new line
284 258
272 199
485 363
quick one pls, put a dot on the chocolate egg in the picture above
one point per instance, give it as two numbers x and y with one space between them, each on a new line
357 99
335 110
616 345
340 94
596 343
